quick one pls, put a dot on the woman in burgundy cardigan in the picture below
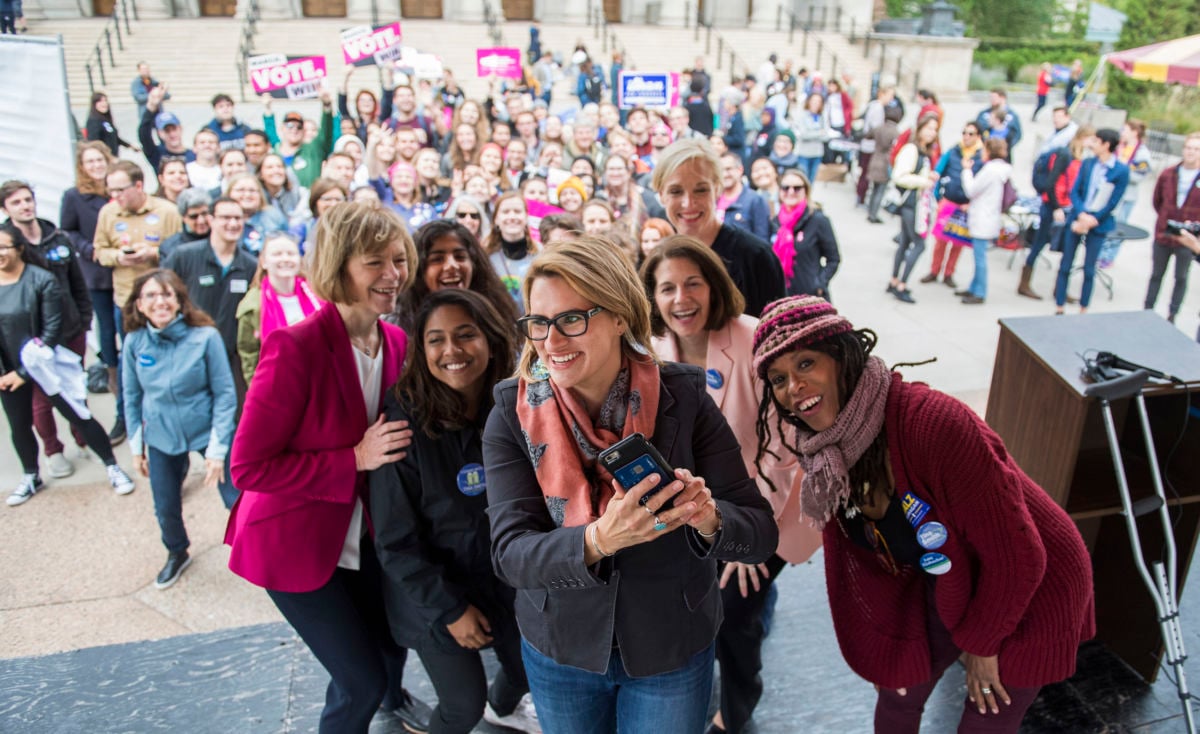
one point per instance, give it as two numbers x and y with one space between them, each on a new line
937 546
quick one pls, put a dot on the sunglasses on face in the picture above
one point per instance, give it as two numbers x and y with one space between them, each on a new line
793 188
467 215
293 125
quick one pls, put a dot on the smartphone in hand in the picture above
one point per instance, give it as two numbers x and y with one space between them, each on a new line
632 459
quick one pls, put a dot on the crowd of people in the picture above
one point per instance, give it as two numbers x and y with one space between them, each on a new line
402 337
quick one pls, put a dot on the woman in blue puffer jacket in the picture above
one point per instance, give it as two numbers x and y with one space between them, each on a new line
179 397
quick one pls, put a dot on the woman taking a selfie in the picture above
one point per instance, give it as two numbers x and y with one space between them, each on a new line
601 655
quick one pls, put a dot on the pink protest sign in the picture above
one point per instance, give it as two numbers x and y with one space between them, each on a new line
674 89
366 46
287 77
503 62
536 210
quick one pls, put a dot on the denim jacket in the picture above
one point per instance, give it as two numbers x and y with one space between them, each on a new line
178 390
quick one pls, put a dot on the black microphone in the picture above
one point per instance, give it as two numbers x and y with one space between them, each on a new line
1108 359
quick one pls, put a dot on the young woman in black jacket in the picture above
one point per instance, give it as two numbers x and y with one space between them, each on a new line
31 310
429 513
802 238
100 126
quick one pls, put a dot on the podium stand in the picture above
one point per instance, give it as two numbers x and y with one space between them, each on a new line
1037 405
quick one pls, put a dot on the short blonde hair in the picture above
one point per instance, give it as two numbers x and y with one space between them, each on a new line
682 152
354 228
594 268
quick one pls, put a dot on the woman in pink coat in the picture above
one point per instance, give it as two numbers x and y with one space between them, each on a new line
310 430
696 316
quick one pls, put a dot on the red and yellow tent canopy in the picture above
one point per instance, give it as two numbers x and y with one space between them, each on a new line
1171 62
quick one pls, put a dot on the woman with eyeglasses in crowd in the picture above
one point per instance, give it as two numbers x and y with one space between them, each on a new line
803 241
927 561
301 456
442 595
696 317
603 656
472 214
179 397
278 296
261 216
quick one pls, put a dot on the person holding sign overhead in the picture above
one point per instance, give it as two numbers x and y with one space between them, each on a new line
303 159
927 561
430 513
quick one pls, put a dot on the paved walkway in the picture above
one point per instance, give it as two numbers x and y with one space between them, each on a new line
79 561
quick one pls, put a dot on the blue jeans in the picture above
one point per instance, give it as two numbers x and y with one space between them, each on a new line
1041 237
574 701
107 316
978 285
809 166
1092 242
167 472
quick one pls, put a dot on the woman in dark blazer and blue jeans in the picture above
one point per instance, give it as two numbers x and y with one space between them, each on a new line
617 599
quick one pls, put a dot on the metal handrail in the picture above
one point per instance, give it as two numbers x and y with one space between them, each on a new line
246 45
493 22
598 21
95 58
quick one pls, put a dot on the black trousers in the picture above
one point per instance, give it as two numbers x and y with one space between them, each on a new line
18 407
345 626
739 648
461 682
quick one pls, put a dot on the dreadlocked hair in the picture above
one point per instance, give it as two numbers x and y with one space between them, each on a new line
850 350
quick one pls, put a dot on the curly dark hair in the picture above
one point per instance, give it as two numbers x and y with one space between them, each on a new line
850 351
434 405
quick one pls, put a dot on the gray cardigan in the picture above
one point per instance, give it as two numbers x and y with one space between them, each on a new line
658 602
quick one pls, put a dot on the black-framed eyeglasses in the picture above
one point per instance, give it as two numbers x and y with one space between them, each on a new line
568 323
468 215
793 188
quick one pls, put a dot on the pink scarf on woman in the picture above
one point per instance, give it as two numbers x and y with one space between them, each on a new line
785 240
564 443
272 316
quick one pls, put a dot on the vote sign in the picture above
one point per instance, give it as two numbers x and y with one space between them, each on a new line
503 62
287 77
371 46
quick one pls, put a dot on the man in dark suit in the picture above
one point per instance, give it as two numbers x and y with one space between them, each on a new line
1098 189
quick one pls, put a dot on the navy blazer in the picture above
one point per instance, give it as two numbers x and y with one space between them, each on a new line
749 212
1118 176
658 602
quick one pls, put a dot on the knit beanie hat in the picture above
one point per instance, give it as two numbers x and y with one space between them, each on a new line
784 133
574 182
792 323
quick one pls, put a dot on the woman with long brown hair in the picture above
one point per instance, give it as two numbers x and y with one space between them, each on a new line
179 398
509 245
77 216
429 510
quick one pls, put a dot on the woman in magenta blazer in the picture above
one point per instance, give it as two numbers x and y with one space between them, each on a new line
310 430
696 316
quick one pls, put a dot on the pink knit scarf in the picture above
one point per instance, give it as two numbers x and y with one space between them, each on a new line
827 456
785 239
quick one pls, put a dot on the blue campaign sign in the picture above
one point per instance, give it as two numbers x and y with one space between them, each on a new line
641 89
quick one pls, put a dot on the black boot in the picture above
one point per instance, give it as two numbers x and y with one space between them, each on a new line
117 435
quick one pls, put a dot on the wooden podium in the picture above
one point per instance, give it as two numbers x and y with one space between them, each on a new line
1037 405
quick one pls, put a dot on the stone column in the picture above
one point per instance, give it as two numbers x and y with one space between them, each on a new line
674 12
764 14
727 13
464 11
561 11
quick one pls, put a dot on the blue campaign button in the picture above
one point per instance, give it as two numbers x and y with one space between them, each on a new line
714 379
146 360
121 226
471 480
931 535
152 219
63 252
914 508
935 563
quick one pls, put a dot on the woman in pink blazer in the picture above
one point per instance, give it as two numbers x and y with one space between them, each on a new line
310 430
696 315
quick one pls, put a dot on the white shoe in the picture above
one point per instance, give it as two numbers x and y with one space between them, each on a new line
523 718
120 481
58 466
29 486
